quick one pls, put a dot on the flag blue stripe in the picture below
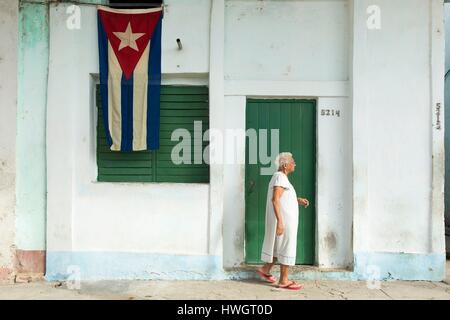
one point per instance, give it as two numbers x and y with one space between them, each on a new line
103 58
154 89
127 114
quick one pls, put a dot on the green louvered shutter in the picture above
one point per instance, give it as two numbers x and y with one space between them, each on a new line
120 166
180 107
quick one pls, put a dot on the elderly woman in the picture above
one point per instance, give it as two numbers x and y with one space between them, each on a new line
280 239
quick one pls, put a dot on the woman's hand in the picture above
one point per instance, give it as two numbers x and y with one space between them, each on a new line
303 202
280 228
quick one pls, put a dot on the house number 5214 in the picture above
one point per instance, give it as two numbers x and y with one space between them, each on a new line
330 112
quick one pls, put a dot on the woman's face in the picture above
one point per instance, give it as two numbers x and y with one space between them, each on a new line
290 166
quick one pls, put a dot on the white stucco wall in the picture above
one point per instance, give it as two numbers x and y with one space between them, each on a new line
194 58
398 163
334 184
333 189
84 215
447 115
287 40
302 55
380 172
447 49
8 103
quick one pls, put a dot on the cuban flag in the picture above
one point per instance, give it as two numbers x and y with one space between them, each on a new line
130 76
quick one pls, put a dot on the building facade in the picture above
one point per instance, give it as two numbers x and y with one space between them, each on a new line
362 82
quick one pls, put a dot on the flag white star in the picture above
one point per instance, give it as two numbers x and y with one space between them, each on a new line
128 38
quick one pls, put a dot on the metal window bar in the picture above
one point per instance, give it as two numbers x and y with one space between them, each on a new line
136 4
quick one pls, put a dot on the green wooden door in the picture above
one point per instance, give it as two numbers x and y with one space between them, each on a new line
296 121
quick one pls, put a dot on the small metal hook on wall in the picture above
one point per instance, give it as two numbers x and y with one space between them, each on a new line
180 46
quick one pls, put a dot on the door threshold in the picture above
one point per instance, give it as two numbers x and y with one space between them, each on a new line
298 272
296 268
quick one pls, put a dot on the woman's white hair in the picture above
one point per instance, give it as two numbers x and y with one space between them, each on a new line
283 159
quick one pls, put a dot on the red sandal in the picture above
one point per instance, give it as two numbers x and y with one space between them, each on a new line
292 285
268 277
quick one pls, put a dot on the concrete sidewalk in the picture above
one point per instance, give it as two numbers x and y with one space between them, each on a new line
233 290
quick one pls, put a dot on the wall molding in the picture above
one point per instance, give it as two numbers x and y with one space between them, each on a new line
287 88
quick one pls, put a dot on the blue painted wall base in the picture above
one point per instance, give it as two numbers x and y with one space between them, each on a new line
399 266
63 266
131 266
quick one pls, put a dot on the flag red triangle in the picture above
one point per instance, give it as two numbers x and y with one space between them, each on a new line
118 22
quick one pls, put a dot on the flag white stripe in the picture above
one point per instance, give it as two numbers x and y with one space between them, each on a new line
114 99
140 92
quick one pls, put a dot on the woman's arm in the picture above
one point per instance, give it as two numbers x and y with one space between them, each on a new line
277 192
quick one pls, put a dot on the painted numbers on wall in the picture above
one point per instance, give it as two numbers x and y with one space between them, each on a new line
438 116
330 112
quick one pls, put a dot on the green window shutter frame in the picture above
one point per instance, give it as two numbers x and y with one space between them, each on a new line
180 107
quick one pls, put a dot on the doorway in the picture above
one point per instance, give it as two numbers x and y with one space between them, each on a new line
296 122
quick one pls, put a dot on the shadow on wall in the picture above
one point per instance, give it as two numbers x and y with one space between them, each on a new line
447 156
447 132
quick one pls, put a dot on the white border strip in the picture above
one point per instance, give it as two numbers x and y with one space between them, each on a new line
437 71
216 121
